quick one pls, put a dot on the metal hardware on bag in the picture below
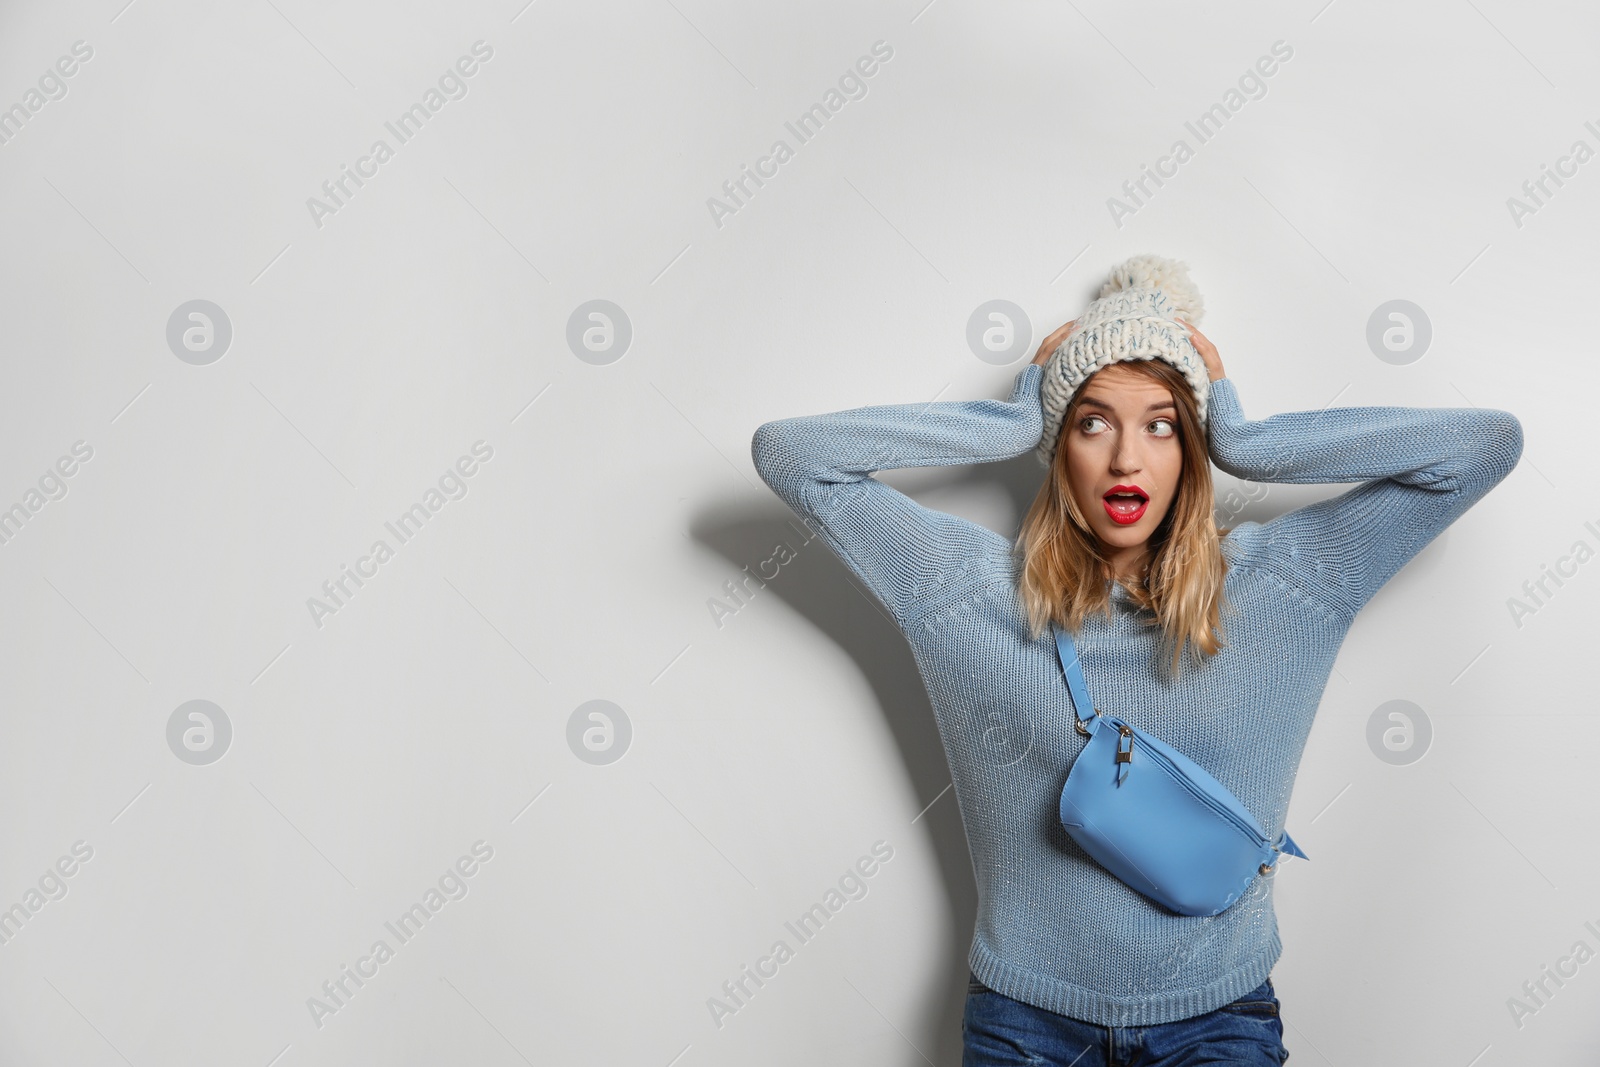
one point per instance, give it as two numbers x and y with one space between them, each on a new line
1268 868
1082 729
1125 757
1124 762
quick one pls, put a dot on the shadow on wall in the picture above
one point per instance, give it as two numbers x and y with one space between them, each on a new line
817 585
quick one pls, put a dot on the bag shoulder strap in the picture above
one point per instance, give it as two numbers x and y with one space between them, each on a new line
1076 686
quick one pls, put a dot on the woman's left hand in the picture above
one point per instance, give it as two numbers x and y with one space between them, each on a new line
1208 352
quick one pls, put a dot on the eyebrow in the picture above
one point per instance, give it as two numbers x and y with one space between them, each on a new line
1089 400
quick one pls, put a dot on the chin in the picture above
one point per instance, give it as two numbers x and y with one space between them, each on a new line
1126 536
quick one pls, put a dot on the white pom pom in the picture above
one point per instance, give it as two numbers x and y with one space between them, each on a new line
1154 272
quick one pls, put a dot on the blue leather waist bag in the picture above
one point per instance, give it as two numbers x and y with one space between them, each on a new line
1172 831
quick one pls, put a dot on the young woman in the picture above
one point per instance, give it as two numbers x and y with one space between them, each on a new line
1127 407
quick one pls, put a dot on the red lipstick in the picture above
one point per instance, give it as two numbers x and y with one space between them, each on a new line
1126 504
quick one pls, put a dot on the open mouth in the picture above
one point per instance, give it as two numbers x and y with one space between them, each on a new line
1126 503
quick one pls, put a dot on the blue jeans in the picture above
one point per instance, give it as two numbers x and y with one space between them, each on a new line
997 1030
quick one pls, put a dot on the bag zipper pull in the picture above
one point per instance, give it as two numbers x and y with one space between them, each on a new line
1124 756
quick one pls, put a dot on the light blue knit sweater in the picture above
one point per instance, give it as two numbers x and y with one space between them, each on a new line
1054 929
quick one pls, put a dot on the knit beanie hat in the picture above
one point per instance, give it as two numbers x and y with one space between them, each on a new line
1134 318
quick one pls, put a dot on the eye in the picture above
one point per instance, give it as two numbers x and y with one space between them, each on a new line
1083 423
1171 427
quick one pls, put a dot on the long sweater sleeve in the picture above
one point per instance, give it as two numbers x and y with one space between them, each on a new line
821 466
1420 468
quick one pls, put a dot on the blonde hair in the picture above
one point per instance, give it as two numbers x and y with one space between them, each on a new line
1064 574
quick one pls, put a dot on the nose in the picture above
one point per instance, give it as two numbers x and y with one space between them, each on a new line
1126 457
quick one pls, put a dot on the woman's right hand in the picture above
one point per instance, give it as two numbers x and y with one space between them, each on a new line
1053 342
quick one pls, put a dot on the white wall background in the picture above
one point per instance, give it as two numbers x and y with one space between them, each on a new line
369 352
